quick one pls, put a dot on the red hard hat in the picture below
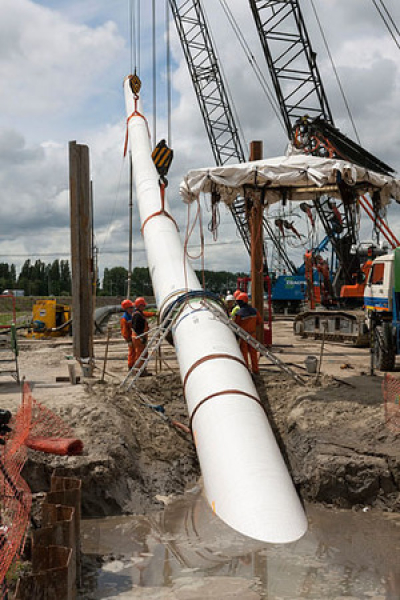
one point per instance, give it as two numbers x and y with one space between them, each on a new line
127 304
236 294
243 297
140 302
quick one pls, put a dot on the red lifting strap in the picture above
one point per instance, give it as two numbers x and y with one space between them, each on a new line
135 113
162 211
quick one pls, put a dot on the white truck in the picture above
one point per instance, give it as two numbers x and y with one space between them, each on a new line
382 309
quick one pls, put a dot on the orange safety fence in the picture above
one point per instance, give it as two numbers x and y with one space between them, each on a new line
391 396
36 426
15 495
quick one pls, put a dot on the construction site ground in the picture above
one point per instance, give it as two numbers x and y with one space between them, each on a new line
333 431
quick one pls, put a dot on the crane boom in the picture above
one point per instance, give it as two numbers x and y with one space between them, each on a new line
215 106
291 61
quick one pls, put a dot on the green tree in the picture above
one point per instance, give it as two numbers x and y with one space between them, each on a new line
53 278
7 277
141 282
65 278
115 281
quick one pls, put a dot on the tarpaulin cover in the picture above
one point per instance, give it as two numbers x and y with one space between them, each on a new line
288 172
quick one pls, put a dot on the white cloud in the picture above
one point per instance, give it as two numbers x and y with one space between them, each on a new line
61 72
47 63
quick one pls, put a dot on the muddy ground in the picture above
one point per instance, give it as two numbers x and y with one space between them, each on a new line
334 435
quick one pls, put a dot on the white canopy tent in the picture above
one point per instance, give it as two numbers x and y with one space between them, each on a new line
298 176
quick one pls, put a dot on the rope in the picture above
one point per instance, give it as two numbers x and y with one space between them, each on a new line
117 194
138 20
386 23
131 28
215 216
169 72
189 231
153 10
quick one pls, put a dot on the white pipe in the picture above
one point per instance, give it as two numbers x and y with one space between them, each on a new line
245 478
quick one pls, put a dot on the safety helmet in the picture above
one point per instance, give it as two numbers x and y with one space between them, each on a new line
229 298
242 297
236 294
127 304
140 302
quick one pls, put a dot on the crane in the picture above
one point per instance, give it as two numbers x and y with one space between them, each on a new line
305 111
308 119
216 109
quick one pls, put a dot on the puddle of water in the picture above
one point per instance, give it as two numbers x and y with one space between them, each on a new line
186 553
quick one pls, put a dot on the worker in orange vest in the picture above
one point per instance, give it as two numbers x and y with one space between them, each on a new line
126 329
248 318
140 328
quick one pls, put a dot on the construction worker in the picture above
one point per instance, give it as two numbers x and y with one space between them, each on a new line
229 303
236 307
248 318
140 327
126 329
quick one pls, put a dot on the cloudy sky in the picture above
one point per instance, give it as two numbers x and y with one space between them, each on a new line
62 65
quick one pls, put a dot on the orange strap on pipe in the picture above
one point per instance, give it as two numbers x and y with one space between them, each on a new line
209 357
223 393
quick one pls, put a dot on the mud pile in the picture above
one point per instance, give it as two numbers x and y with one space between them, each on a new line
333 437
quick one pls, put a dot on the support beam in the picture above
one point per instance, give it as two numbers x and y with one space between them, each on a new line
257 241
81 251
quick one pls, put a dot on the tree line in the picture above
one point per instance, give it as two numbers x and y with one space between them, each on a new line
54 279
37 278
115 282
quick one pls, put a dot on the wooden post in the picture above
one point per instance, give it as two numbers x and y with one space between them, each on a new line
257 240
81 254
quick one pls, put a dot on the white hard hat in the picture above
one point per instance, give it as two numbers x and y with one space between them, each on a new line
229 298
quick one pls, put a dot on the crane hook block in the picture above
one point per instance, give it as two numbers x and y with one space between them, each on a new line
135 84
162 158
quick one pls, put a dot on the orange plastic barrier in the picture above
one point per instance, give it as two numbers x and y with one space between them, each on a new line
60 446
391 396
38 427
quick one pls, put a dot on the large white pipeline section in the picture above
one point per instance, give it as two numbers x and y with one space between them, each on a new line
246 480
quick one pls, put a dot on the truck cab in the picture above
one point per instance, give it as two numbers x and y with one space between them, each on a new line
382 309
379 287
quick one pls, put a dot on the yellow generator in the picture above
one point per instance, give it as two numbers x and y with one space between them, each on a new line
50 319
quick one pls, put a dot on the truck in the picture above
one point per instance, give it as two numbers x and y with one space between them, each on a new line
382 309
